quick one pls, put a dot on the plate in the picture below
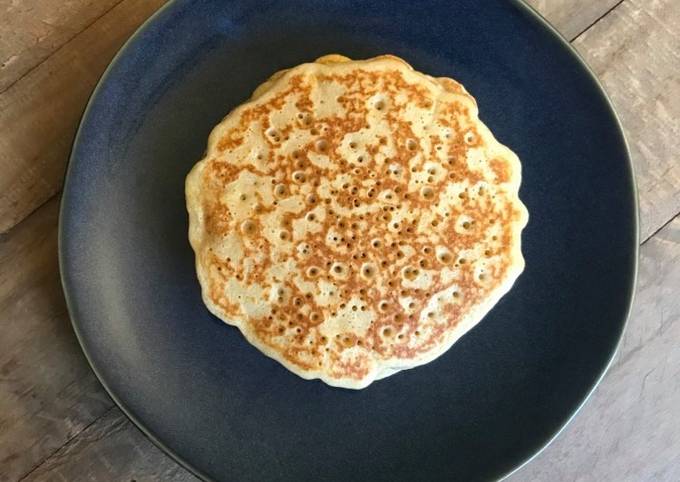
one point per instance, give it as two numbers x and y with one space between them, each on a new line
226 411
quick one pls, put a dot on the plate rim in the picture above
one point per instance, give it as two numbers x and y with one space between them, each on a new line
70 303
636 223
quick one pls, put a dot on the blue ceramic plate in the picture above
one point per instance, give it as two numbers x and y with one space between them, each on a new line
224 410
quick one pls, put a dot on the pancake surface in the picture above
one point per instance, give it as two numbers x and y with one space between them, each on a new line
355 218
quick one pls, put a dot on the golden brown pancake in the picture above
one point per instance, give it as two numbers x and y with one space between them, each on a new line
355 218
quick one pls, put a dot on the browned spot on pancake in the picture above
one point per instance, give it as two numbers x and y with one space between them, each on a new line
217 219
500 169
450 85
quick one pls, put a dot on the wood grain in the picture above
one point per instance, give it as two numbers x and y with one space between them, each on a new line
628 430
630 427
39 113
47 391
48 397
635 50
31 30
571 17
111 449
632 49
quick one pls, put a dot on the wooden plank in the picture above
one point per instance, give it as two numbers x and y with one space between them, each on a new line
571 17
31 30
627 431
111 449
630 428
635 50
47 392
39 113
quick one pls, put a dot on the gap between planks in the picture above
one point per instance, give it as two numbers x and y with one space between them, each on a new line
63 43
575 37
68 441
653 234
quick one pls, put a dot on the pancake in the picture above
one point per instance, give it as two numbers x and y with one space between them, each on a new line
355 218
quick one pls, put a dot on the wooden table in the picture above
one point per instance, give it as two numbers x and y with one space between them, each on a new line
56 421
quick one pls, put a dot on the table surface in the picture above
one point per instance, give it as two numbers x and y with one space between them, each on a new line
57 422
